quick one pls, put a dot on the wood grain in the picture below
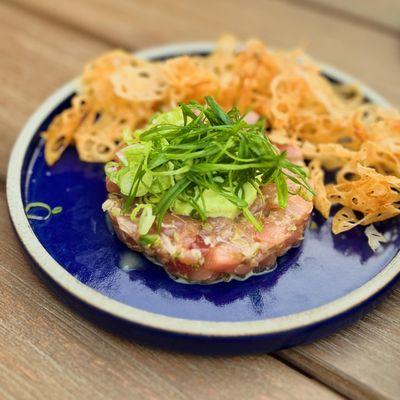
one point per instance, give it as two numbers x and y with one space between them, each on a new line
385 13
36 57
369 54
47 351
46 346
361 361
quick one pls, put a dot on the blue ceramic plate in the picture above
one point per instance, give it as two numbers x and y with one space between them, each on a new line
317 288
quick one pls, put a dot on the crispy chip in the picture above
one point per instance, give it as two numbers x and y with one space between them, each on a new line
368 192
383 214
98 137
382 160
331 155
332 124
96 83
375 238
344 220
188 80
321 201
221 60
350 94
139 82
60 133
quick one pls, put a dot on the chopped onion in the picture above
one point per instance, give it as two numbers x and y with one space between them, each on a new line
146 219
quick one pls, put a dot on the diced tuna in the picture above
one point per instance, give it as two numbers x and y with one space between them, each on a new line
222 247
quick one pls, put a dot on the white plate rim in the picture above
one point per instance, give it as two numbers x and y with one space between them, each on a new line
152 320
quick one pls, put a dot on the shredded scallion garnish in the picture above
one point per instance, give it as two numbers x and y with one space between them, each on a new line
43 206
196 150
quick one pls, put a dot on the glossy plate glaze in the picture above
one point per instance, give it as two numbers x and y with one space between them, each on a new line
324 284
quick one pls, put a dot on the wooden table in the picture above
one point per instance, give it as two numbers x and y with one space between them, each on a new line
47 350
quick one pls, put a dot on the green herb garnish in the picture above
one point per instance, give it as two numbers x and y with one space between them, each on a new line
56 210
43 206
195 153
148 240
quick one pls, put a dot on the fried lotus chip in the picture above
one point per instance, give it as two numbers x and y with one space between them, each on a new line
188 80
345 219
221 60
100 135
304 103
331 155
221 63
139 82
387 212
287 91
321 201
253 70
381 159
375 238
371 122
350 94
334 155
368 192
98 116
330 123
60 133
96 83
370 155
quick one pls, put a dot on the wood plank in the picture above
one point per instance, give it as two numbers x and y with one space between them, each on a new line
336 361
36 57
49 351
369 54
386 14
361 361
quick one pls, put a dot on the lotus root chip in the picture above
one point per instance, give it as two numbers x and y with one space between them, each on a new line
321 200
334 126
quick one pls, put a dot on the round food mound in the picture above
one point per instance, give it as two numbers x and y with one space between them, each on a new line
220 248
